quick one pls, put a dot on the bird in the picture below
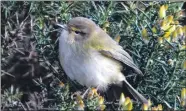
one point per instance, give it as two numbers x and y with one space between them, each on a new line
92 58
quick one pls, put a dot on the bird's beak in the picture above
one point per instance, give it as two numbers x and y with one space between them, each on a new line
62 26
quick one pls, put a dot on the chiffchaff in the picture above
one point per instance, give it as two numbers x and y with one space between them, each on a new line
91 57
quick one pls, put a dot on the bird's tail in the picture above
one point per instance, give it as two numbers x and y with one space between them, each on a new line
135 93
114 92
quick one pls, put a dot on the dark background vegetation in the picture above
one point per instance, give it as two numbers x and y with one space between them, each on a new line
31 73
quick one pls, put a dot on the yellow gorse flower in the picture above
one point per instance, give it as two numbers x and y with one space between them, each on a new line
144 34
61 84
166 34
184 30
145 107
130 106
127 105
80 105
166 6
167 37
169 19
122 99
154 30
159 107
154 109
162 11
183 97
160 40
184 65
127 101
179 31
79 98
93 92
149 102
101 105
172 28
183 47
166 23
101 100
176 23
174 35
183 103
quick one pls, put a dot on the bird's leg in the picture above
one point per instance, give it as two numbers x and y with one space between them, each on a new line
85 92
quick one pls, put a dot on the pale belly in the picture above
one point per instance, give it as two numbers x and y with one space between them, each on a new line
96 70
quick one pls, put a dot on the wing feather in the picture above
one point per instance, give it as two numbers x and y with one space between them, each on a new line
111 48
122 58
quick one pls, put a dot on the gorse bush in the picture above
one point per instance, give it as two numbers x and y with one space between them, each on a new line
151 32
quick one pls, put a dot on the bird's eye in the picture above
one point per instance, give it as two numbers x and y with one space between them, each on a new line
77 32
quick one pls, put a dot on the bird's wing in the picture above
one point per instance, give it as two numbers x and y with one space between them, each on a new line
112 49
122 57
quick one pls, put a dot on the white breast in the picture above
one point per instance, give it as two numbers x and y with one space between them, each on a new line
87 69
